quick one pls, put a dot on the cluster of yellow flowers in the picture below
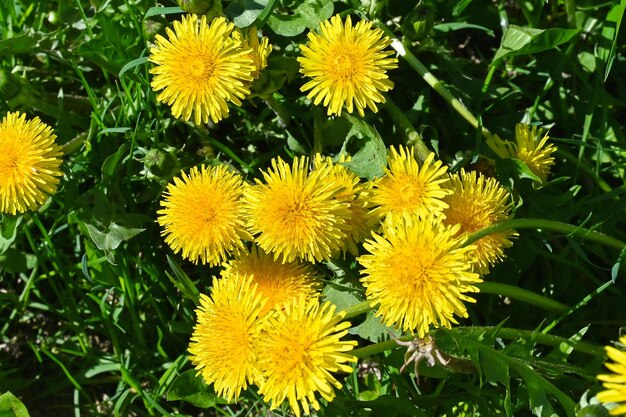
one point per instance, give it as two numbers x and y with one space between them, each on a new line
263 323
413 222
203 66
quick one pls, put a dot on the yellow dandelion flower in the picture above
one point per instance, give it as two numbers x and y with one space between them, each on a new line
223 343
531 147
615 383
301 346
260 50
477 202
360 220
534 150
348 65
29 163
409 190
200 68
279 283
201 215
418 275
295 214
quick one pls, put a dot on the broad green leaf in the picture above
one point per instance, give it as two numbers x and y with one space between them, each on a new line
22 44
371 329
10 406
519 40
593 410
192 389
308 14
111 238
371 159
243 13
341 297
513 167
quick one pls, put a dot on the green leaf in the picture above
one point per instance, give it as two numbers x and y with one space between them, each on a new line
453 26
192 389
155 11
243 13
308 14
371 329
610 30
182 281
8 231
132 65
111 238
10 406
460 6
519 40
110 164
371 159
22 44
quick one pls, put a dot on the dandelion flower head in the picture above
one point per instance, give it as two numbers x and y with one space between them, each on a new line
531 146
200 68
534 150
354 194
259 50
201 214
410 190
477 202
418 275
29 163
223 343
615 382
301 347
294 214
278 282
347 65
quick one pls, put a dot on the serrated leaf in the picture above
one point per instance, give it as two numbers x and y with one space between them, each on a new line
371 329
10 406
371 159
111 238
192 389
519 40
342 298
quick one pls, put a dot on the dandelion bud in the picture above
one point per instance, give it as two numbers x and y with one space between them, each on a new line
211 8
418 23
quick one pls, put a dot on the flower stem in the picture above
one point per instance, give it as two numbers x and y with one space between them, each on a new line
433 81
544 224
357 309
522 295
413 138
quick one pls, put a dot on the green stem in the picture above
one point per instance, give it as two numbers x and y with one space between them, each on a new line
543 224
503 332
278 108
522 295
413 138
421 69
357 309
